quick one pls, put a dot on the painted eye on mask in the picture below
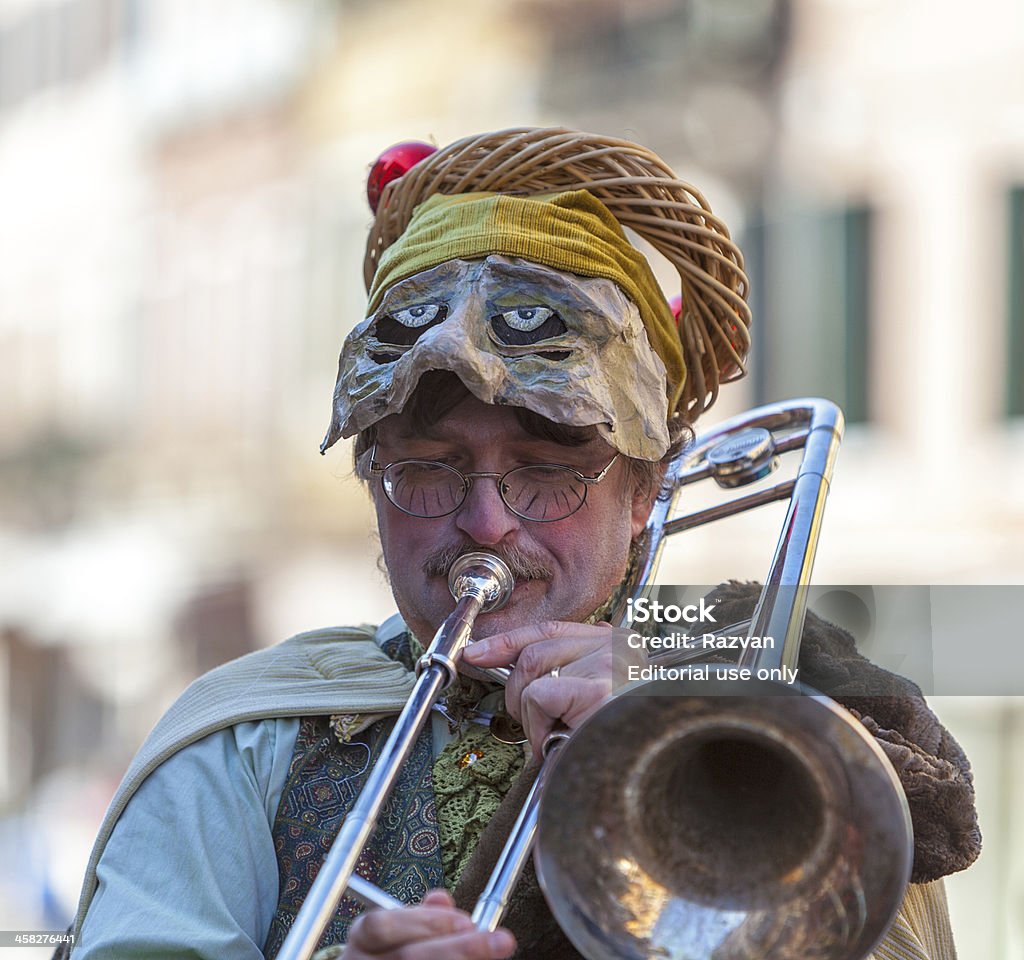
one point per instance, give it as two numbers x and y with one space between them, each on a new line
402 328
525 325
418 316
526 318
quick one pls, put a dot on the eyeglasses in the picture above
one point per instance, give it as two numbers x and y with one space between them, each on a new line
542 492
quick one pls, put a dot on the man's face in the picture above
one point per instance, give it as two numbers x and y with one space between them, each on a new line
575 563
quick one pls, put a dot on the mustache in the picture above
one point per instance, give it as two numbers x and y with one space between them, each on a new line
524 566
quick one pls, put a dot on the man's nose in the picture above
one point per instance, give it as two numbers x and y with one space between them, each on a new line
483 517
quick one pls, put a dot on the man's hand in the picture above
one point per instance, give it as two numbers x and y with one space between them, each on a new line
434 930
586 656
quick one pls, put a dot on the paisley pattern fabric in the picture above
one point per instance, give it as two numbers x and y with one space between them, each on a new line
404 855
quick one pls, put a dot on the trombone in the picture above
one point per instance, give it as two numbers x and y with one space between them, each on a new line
742 819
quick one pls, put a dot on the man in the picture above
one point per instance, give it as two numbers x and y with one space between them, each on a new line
517 386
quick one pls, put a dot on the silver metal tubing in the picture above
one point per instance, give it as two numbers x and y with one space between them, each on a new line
475 572
494 899
792 422
370 895
494 674
779 492
782 606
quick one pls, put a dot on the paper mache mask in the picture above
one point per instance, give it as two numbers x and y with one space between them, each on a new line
570 348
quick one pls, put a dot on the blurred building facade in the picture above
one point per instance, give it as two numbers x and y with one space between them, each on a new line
180 257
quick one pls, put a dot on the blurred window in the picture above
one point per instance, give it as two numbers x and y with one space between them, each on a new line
811 294
56 43
1015 305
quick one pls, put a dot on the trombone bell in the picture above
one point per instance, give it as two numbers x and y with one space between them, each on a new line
736 820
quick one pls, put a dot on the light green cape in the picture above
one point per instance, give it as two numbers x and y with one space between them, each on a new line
323 672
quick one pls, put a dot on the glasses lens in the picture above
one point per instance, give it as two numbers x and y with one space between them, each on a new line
544 492
424 488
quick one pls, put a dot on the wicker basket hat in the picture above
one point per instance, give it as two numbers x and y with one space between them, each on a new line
561 200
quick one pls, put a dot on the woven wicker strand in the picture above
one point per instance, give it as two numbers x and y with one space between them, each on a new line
642 193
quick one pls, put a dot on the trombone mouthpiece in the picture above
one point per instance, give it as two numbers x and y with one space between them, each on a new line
485 575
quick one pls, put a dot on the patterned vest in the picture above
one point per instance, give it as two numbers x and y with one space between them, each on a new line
324 779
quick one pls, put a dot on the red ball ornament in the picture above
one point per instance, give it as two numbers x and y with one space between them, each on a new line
675 304
393 163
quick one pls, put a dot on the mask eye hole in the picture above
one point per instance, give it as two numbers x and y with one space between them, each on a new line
527 324
418 316
404 327
526 319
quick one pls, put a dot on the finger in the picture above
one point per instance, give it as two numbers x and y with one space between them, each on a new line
550 700
478 945
438 898
503 649
379 931
589 655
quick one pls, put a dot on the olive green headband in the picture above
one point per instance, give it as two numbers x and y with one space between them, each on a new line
571 231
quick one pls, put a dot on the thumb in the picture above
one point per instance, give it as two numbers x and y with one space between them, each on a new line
438 898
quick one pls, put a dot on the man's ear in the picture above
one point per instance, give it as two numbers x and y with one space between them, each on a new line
644 495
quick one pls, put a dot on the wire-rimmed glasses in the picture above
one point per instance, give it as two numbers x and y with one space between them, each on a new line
541 492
